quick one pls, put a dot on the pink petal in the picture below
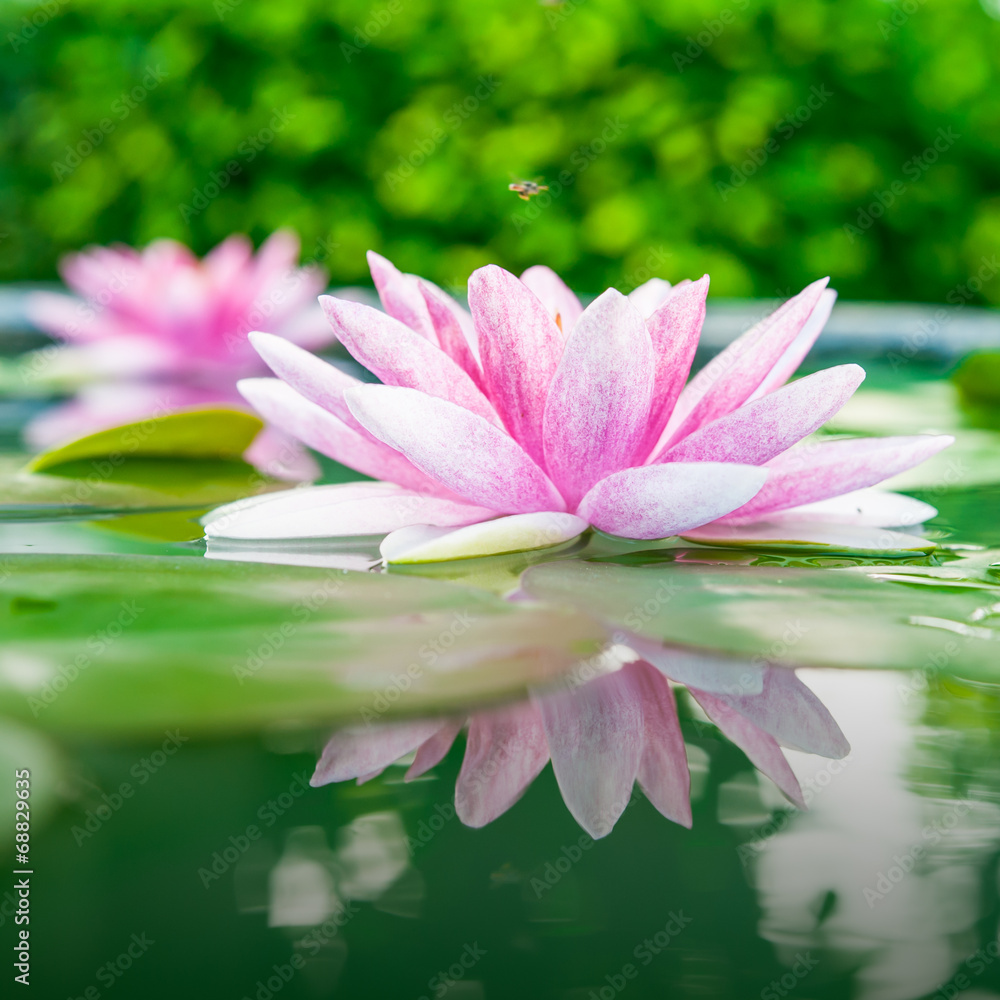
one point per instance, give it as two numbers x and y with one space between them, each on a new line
674 328
455 447
656 501
649 295
815 472
762 750
789 362
562 304
731 378
337 511
595 737
434 750
308 375
663 769
505 751
791 713
400 357
520 346
758 430
359 751
598 402
455 336
279 404
278 454
401 297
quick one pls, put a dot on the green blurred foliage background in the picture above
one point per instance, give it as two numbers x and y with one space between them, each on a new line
675 136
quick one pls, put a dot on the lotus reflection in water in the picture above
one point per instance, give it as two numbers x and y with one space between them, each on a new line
602 736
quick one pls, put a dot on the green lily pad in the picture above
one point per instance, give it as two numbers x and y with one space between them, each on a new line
98 487
215 433
940 618
124 644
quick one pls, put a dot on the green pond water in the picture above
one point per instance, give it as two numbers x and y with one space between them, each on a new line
178 851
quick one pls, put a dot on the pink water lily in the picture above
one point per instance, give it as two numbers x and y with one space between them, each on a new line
153 331
602 737
522 422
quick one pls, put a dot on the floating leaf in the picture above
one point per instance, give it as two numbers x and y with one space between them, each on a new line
857 616
139 643
214 433
98 487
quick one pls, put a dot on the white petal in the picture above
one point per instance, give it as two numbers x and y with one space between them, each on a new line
811 536
516 533
336 511
869 508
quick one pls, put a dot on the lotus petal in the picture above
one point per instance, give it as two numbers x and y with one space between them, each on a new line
514 533
505 751
656 501
456 447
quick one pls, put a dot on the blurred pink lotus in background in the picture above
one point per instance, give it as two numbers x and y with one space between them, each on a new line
155 331
602 736
527 421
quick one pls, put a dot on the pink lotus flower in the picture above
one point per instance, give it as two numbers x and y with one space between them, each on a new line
158 330
529 420
602 737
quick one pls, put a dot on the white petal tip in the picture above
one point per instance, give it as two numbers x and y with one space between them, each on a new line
515 533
